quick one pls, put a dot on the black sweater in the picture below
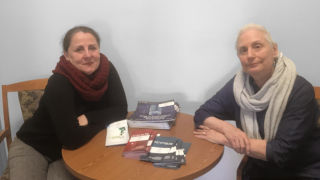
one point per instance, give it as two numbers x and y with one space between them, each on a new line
55 125
295 150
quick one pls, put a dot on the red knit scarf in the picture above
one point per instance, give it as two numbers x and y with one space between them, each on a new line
90 87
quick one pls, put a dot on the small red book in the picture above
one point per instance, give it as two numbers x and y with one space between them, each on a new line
139 143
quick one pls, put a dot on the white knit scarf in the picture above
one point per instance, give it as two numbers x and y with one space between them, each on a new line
273 95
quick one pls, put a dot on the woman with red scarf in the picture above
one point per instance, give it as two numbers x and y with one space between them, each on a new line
82 97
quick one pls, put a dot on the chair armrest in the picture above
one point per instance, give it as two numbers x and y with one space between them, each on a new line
3 134
241 166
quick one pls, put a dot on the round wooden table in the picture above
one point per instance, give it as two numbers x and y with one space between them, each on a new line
96 161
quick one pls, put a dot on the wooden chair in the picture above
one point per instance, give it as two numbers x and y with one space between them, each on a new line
30 93
245 158
317 93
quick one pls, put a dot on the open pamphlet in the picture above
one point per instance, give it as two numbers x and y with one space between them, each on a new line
117 133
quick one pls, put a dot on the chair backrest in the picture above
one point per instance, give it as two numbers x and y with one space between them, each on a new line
20 87
245 158
317 93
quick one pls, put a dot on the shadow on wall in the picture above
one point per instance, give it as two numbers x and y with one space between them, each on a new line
215 87
187 106
180 98
126 79
110 50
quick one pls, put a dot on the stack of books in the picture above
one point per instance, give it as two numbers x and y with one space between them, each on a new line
167 152
139 143
154 115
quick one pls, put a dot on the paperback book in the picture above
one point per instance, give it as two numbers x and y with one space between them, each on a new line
139 143
154 115
167 152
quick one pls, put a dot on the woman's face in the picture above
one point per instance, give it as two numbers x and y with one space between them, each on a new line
84 52
256 53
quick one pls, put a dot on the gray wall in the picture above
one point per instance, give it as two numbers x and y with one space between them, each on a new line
163 49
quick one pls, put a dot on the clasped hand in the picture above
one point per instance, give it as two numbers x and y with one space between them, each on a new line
82 120
233 138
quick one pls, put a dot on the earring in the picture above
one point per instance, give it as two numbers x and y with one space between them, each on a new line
275 60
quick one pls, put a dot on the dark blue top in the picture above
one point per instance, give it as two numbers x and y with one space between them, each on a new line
295 150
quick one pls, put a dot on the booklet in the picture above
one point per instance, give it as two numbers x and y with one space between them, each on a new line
117 133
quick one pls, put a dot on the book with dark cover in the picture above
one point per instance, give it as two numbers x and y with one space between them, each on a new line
180 159
139 143
154 115
163 149
167 152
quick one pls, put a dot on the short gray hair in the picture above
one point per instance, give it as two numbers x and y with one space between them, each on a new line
256 27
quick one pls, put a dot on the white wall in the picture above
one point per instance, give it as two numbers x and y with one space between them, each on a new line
163 49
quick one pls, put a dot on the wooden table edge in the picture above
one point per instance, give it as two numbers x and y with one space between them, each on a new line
189 176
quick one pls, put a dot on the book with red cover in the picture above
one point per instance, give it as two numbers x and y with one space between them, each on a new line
139 143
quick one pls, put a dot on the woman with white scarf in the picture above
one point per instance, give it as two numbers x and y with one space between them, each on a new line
274 109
